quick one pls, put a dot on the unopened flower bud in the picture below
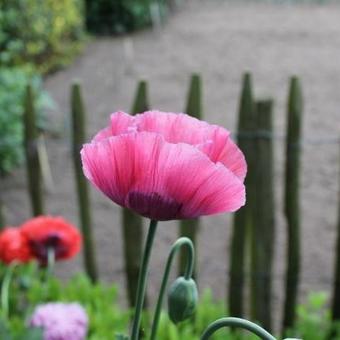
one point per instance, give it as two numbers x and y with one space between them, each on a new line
182 299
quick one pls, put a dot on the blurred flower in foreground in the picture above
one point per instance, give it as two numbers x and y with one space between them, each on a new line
166 166
46 232
60 321
14 246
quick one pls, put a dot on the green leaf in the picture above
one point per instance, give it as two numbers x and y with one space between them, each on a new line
32 334
4 332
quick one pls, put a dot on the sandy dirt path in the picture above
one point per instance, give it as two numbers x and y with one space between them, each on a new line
220 40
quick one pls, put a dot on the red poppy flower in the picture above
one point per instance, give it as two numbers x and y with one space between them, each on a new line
166 166
14 246
46 232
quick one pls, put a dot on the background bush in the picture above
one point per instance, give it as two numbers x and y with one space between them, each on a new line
45 33
119 16
13 83
108 318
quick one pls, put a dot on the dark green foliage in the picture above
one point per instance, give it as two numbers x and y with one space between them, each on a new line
13 83
291 203
242 218
119 16
40 32
108 319
24 334
79 137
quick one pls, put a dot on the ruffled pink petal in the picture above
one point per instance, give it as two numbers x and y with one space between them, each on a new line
213 140
203 187
120 122
222 149
161 180
176 127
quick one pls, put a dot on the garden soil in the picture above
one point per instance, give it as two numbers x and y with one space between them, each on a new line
220 40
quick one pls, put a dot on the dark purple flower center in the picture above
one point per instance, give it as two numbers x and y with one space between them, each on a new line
51 241
153 205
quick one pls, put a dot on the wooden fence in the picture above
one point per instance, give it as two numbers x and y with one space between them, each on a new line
253 232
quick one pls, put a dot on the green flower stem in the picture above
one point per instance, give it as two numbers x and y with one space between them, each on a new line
183 241
236 322
5 289
142 279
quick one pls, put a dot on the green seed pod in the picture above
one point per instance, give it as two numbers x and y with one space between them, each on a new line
182 299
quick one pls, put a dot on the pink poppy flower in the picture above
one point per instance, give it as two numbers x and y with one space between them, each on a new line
166 166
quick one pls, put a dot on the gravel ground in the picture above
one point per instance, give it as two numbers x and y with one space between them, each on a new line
221 40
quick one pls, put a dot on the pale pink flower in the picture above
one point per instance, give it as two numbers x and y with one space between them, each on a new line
166 166
60 321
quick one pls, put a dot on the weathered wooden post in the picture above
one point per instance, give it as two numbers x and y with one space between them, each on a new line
291 200
79 137
336 281
190 227
2 214
33 168
242 218
132 228
263 229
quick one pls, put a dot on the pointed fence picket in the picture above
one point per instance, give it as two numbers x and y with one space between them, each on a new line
33 168
190 227
292 200
263 223
78 119
242 218
336 281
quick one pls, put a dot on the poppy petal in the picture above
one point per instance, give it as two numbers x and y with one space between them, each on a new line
160 180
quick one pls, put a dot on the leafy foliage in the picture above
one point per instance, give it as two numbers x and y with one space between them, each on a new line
41 32
109 321
119 16
13 83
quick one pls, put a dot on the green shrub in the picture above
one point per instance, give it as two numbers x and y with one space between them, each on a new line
42 32
119 16
13 83
107 318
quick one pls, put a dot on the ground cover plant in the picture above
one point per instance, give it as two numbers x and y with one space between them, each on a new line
106 316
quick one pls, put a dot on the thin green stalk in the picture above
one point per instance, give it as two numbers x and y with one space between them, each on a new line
236 322
183 241
141 287
5 289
